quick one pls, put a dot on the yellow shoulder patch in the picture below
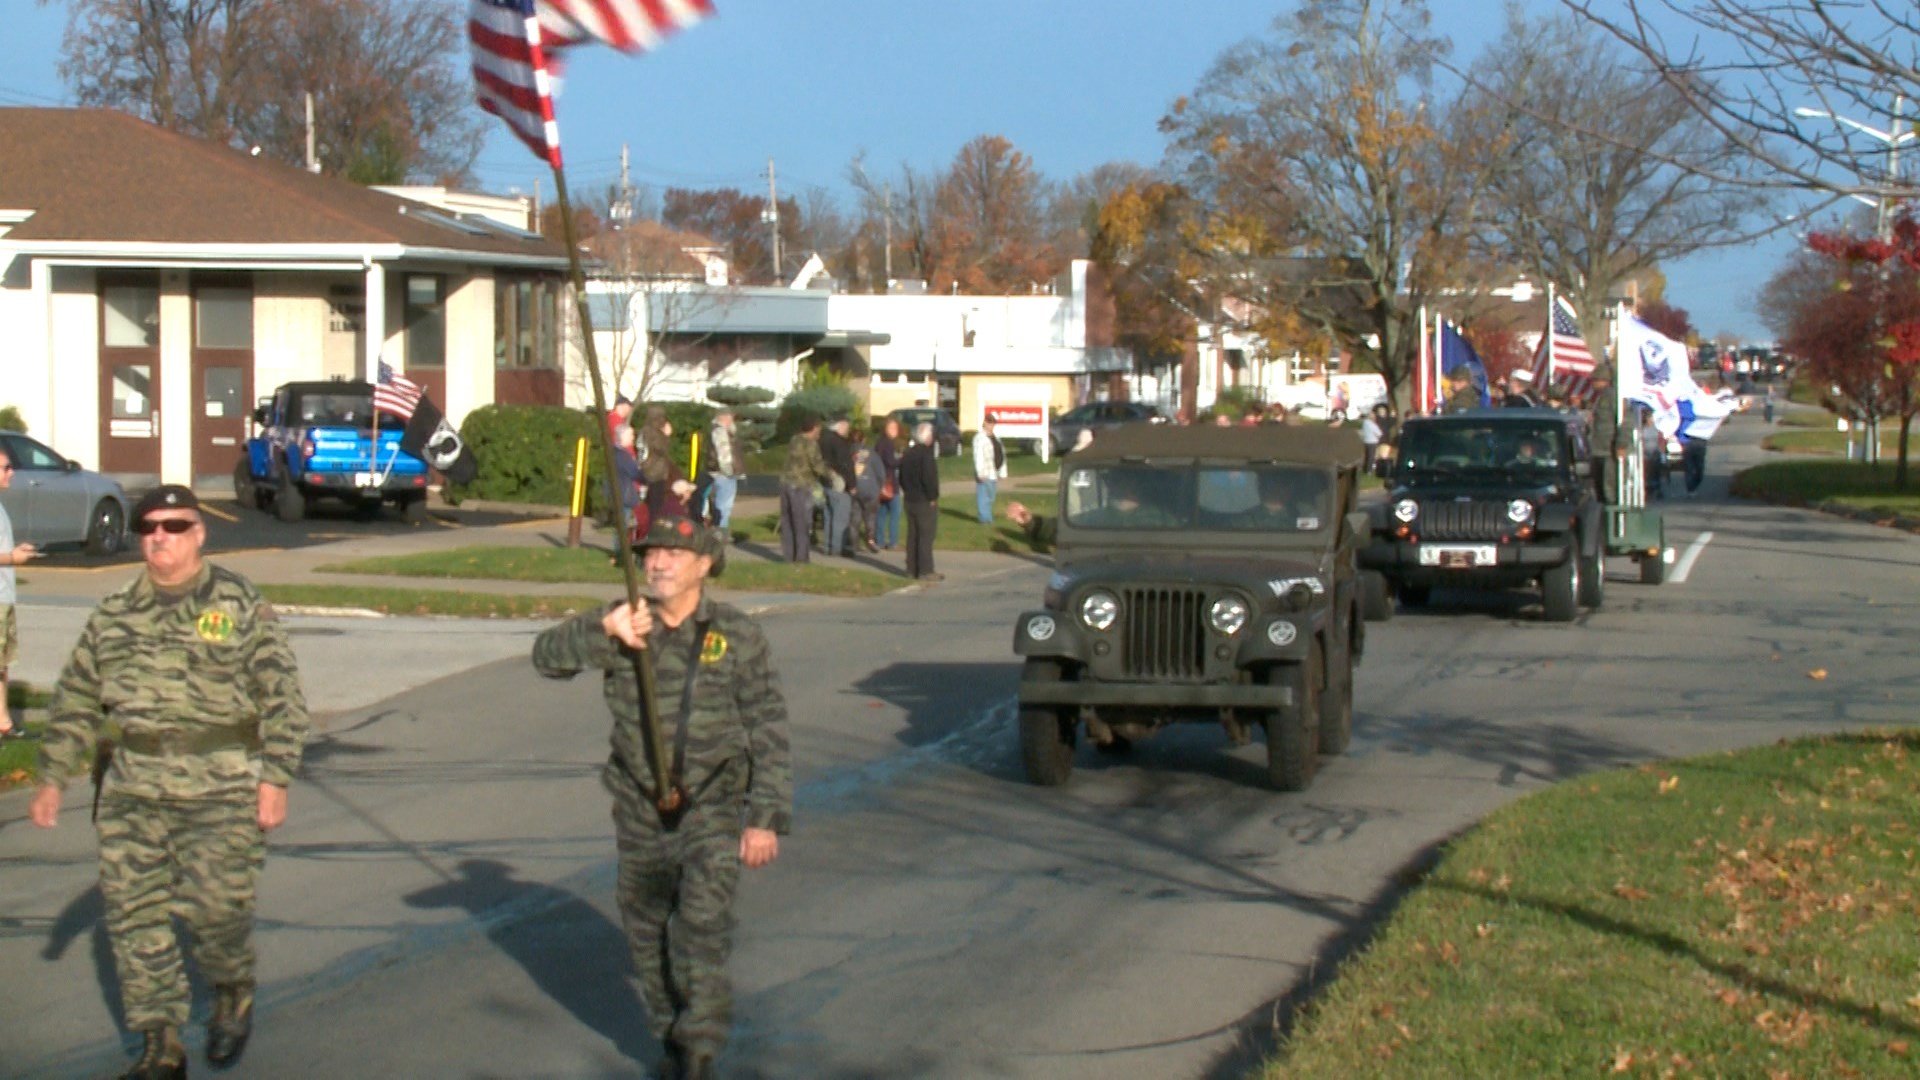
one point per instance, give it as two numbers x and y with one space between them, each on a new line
214 625
713 648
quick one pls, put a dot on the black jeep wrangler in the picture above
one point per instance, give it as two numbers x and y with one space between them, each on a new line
1491 497
1202 574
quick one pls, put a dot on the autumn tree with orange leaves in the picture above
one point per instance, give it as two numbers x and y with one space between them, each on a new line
1330 194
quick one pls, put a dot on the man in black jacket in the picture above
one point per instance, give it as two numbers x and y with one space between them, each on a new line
920 487
838 454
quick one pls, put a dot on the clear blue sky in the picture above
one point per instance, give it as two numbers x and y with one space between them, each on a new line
1073 83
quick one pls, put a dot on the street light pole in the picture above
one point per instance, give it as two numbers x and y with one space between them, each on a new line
1883 219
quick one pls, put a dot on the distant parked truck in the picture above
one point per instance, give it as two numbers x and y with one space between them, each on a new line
318 440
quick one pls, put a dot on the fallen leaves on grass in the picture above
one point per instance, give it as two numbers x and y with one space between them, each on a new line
1631 893
1818 674
1669 784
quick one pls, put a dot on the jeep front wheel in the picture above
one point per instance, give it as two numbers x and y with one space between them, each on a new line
1046 736
1560 591
1293 751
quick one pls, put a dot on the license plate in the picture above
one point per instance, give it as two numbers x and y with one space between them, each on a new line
366 479
1457 555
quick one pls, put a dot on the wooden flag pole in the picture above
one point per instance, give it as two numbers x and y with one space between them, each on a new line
670 798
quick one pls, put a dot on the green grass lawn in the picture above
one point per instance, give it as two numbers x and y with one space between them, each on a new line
589 565
1827 440
18 756
1742 914
404 601
1850 483
958 531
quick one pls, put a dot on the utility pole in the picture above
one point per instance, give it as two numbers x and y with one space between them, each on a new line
622 209
313 162
771 215
887 201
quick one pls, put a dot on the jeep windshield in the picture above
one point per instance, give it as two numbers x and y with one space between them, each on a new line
337 410
1448 448
1264 498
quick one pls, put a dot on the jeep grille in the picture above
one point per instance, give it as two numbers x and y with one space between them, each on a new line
1462 520
1165 633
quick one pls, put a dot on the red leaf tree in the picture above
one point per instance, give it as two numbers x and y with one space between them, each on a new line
1864 336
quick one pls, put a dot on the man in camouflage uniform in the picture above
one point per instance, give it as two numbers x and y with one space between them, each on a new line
805 467
727 729
188 671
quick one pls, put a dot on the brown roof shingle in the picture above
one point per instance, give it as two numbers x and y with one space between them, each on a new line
102 175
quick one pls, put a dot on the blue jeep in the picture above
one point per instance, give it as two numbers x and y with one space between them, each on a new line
317 440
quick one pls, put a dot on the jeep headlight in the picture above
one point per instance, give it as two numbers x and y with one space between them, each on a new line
1405 511
1519 510
1228 615
1099 609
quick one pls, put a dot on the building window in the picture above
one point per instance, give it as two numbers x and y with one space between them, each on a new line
223 317
426 321
526 322
132 316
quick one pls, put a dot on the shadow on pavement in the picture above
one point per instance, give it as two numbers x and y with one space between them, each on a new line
937 696
575 955
86 915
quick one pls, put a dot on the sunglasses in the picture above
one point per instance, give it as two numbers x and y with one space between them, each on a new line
147 526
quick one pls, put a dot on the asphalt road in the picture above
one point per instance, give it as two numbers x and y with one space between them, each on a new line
440 904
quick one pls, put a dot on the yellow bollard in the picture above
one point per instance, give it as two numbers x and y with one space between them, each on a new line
577 509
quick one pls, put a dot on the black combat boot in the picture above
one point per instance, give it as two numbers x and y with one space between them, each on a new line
163 1058
231 1023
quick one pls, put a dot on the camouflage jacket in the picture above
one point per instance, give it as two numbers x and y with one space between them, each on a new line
737 741
200 693
805 464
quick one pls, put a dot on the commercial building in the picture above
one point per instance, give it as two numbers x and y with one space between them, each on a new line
154 285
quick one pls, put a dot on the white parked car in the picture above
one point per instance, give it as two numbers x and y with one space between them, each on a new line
54 501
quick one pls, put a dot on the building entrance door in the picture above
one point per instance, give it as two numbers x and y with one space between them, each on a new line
130 375
222 374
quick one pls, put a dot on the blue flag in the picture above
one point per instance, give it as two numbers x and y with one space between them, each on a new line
1456 353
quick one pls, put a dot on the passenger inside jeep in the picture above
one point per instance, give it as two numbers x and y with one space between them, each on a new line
1127 497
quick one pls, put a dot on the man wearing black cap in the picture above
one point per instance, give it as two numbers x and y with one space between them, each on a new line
192 669
722 715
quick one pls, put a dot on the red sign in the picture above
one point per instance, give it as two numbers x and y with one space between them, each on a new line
1015 414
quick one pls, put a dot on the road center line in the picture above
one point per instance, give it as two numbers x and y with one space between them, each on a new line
1685 565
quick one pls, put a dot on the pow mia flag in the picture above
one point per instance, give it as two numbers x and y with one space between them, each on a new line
427 436
430 438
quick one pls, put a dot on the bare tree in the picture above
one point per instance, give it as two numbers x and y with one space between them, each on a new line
1319 153
657 298
1772 75
177 63
1606 171
391 94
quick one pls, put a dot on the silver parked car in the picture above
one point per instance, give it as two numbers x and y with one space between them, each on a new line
55 501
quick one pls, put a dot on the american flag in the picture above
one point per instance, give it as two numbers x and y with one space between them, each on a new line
514 41
628 25
510 72
1563 353
396 394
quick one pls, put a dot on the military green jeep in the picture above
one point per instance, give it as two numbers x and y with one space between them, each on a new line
1203 574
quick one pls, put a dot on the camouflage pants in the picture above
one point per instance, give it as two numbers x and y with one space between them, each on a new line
199 860
676 899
